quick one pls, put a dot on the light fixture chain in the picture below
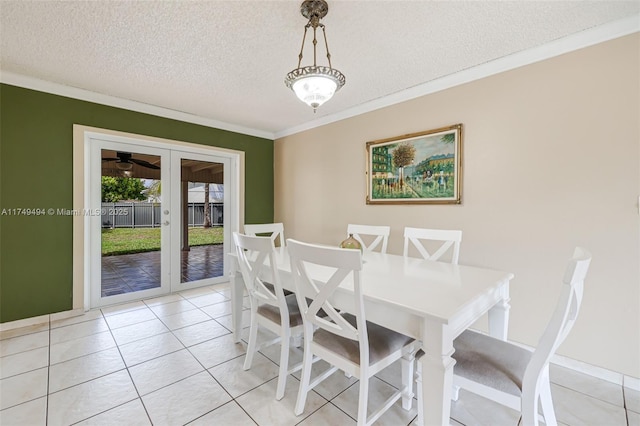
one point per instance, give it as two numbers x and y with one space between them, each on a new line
326 44
304 37
315 42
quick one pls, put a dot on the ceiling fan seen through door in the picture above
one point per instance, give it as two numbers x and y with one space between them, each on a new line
125 161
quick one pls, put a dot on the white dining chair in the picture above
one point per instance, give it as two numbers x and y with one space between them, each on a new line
270 307
380 234
274 230
512 375
445 240
346 341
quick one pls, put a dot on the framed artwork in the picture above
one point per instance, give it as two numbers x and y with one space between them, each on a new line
420 168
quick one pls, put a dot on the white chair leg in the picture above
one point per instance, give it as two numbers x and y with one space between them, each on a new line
529 411
419 393
284 365
251 347
307 362
546 403
362 400
407 362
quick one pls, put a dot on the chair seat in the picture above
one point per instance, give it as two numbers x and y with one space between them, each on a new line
273 313
382 342
273 290
490 361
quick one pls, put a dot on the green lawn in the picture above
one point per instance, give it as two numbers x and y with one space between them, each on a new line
138 240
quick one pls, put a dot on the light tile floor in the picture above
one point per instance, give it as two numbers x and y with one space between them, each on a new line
172 361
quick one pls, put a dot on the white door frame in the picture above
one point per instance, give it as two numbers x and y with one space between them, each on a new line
84 138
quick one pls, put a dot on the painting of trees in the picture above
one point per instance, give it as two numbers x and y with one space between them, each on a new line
448 138
422 167
403 155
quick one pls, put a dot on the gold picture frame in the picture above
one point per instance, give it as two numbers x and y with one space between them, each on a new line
418 168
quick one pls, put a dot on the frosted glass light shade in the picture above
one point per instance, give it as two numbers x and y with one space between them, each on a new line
315 85
314 90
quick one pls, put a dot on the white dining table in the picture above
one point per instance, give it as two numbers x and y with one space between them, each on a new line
430 301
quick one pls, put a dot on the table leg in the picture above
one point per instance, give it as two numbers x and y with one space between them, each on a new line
437 374
237 292
499 316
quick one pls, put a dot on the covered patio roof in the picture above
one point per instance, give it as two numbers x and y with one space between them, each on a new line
192 170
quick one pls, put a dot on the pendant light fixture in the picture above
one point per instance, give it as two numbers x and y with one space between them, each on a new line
314 84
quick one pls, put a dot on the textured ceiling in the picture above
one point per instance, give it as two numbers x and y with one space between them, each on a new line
226 60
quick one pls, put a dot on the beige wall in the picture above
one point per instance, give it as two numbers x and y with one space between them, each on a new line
551 161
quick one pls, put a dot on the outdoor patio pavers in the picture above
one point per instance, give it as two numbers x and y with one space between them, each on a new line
141 271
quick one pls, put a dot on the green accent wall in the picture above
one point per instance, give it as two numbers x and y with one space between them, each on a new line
36 171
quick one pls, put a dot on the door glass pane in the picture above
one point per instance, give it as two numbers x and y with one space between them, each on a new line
202 223
131 220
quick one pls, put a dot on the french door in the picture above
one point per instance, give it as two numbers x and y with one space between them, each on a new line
200 238
159 218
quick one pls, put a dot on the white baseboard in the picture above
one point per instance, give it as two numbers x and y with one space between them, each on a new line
588 369
40 320
597 372
27 322
632 383
66 314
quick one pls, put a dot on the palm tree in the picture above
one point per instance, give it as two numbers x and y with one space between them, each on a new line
154 191
207 208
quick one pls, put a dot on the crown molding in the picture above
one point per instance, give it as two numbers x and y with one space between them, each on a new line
99 98
557 47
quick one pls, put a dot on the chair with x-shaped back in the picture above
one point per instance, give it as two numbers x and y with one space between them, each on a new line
273 230
378 236
347 341
445 240
270 307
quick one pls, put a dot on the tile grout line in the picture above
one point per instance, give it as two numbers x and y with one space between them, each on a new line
172 331
189 351
593 397
624 404
103 317
128 372
233 399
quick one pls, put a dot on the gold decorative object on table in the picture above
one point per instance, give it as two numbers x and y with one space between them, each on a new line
351 243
